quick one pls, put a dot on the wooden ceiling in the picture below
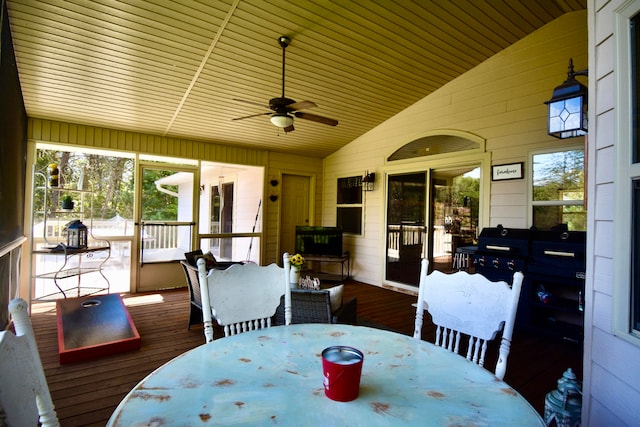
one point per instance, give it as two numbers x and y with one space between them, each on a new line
174 68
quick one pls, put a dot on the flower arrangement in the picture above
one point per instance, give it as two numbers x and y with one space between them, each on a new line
296 260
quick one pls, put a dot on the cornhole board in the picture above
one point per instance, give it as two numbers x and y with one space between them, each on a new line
94 326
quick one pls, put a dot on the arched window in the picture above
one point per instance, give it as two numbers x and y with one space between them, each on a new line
432 145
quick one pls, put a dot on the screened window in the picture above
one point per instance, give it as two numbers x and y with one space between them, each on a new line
558 191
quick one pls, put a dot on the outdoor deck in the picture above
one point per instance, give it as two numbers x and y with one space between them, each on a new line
86 393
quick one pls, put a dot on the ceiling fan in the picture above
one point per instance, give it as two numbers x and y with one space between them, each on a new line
283 109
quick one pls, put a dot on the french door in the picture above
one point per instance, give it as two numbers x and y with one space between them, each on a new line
429 215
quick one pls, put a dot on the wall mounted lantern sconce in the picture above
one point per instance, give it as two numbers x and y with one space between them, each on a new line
567 115
367 181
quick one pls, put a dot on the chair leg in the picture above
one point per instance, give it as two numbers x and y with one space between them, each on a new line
195 316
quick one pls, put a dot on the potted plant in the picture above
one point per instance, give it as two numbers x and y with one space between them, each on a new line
67 202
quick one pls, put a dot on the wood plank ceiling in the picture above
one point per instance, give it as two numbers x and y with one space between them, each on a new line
174 68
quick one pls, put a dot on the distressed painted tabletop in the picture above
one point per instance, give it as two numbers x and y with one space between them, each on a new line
274 377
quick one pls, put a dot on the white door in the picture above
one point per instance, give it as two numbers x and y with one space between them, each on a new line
295 209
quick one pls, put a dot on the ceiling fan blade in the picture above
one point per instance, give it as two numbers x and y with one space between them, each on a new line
314 118
252 115
301 105
289 128
252 102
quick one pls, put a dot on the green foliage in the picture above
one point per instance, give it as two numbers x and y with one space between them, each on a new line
157 205
559 177
110 179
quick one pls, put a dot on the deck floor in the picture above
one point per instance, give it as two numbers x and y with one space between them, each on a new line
86 393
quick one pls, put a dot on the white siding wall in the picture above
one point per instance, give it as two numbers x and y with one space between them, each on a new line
612 367
501 101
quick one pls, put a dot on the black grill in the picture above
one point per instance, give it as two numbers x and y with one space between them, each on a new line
556 284
553 264
502 252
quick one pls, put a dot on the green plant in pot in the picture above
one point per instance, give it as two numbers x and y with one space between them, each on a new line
67 202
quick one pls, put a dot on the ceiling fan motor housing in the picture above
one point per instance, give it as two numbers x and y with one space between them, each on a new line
280 105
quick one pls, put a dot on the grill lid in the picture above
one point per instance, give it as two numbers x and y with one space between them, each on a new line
500 240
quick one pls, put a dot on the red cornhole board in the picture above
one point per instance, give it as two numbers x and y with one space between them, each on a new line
94 326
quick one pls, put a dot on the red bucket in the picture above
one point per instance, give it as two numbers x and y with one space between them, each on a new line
342 367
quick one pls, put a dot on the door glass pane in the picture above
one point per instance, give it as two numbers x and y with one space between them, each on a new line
454 213
167 211
406 210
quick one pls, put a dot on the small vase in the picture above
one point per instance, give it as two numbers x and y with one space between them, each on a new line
294 276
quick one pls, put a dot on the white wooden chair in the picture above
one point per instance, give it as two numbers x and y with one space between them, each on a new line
244 297
24 393
469 305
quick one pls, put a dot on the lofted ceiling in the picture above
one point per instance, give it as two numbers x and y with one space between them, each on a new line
174 68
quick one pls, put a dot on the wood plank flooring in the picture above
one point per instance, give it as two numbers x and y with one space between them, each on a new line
86 393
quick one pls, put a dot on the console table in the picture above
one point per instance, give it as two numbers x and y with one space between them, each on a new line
343 260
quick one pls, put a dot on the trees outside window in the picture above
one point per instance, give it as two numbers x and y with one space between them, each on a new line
558 190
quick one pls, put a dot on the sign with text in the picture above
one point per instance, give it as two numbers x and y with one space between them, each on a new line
504 172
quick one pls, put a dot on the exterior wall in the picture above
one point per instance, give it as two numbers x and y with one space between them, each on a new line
501 101
611 371
275 164
292 165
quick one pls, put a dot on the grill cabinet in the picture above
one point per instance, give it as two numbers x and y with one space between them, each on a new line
556 284
502 252
553 263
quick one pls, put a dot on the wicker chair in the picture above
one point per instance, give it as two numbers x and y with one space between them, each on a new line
314 306
195 300
191 275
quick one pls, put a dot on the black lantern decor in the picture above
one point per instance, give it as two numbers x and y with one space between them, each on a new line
367 181
76 235
567 115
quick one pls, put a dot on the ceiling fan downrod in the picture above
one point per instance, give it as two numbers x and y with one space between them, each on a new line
284 42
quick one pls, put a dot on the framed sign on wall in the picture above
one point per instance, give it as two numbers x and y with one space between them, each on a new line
505 172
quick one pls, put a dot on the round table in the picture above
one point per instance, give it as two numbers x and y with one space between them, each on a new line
274 376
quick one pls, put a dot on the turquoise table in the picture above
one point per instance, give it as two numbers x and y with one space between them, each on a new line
274 377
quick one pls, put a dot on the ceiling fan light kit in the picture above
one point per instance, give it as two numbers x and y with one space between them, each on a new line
284 109
282 120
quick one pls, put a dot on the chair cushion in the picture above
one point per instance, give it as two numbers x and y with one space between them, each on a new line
335 295
191 257
210 260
